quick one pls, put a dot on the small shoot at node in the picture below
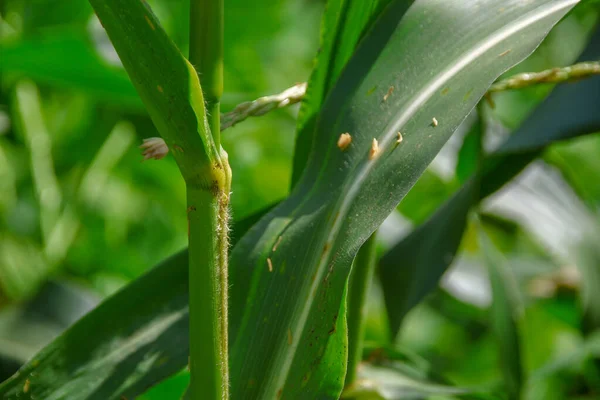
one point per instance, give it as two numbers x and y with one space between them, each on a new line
344 141
374 151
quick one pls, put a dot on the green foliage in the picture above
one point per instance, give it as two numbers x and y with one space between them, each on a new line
566 113
504 316
384 66
344 23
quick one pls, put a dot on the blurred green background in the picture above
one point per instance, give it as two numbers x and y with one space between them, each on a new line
81 215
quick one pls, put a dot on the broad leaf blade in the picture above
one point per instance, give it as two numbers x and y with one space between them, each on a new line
344 23
131 341
411 269
553 119
281 320
166 82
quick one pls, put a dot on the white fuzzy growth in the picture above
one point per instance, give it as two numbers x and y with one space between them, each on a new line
154 148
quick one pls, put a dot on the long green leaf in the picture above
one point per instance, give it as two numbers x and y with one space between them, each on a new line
504 315
344 23
412 268
131 341
166 82
440 58
170 89
570 111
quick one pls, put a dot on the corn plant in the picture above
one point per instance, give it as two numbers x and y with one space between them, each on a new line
272 307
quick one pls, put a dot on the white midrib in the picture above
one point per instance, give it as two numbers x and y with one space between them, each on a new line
286 353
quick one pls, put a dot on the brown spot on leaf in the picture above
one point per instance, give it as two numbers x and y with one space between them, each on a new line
389 93
277 243
149 22
306 377
326 248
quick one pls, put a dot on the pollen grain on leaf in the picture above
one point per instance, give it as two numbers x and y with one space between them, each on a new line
344 141
159 88
277 244
434 122
374 151
270 265
26 386
399 138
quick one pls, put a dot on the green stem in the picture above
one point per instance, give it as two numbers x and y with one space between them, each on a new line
358 291
207 215
206 55
208 246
